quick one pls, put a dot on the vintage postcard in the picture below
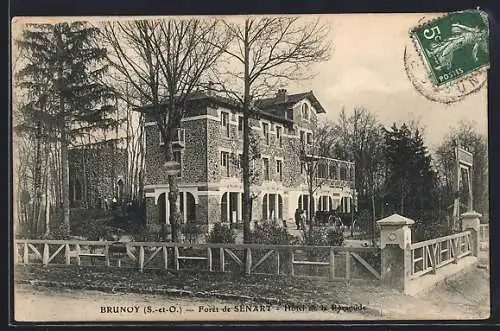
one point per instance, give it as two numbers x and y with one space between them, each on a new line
251 168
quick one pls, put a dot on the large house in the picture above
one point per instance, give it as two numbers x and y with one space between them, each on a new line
209 145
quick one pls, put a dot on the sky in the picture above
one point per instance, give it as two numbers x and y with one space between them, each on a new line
366 69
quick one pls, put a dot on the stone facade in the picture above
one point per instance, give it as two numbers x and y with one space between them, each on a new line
97 173
210 183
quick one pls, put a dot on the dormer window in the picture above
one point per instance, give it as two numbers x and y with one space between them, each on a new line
305 111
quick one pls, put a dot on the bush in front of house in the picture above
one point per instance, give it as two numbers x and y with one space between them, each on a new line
334 238
270 233
153 233
192 231
221 234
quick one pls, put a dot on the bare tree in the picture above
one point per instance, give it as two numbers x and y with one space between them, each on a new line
265 53
162 61
360 138
314 152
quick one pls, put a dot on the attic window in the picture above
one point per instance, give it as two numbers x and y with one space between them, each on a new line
305 111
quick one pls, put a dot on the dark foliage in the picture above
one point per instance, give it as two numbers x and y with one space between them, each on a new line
221 234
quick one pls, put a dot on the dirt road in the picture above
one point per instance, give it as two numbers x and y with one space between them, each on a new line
46 305
463 297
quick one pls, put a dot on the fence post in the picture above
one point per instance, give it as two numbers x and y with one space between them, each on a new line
141 258
209 258
331 261
395 241
45 256
248 261
470 222
67 256
221 258
25 253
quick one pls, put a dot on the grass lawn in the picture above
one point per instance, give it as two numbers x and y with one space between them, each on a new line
268 288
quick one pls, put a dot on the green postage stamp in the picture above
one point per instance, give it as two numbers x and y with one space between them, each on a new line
454 46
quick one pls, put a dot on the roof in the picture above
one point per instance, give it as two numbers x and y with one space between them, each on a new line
395 219
291 99
266 107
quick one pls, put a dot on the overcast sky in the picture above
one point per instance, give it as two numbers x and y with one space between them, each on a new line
366 69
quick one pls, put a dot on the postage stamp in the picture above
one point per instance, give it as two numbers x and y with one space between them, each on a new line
454 45
446 57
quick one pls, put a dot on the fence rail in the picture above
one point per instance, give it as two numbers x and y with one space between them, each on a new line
331 262
430 255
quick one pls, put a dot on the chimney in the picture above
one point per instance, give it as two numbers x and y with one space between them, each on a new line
281 95
210 89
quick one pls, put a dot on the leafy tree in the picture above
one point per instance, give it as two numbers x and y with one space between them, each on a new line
411 182
61 72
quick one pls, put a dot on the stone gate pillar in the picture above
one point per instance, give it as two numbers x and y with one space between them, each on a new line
395 240
470 222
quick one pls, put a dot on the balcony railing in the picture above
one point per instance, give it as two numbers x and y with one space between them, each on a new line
339 172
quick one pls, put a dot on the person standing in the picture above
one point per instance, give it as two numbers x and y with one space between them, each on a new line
298 217
303 219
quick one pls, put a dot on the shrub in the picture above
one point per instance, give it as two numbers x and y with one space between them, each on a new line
95 229
148 233
272 234
221 234
192 231
59 233
334 238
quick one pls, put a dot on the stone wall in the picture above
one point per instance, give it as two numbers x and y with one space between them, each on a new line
94 173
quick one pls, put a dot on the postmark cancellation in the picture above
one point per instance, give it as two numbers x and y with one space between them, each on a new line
447 57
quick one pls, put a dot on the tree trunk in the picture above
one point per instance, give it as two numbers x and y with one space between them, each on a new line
173 193
247 201
373 218
47 204
65 181
311 209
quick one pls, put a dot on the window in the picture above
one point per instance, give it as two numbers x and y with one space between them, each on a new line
240 123
239 162
322 170
279 169
178 158
343 173
278 135
224 122
266 168
309 138
162 142
333 171
302 134
305 111
224 162
272 206
265 131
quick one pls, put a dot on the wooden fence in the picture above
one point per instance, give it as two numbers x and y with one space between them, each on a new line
430 255
331 262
